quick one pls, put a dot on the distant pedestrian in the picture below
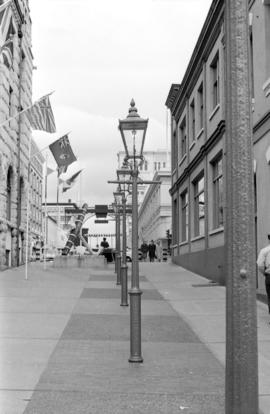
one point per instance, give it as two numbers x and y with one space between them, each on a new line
104 243
152 251
144 250
263 263
159 251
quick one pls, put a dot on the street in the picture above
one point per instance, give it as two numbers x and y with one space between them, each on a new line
65 343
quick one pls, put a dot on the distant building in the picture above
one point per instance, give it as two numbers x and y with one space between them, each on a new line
16 65
154 161
159 160
155 211
198 137
35 201
57 216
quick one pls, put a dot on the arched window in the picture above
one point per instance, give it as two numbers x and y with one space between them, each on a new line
8 205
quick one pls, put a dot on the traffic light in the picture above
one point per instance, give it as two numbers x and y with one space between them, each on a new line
168 234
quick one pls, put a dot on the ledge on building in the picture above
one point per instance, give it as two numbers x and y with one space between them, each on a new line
216 231
202 236
182 160
214 111
266 86
198 136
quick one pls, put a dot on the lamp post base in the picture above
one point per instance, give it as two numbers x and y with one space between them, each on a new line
118 269
135 325
124 292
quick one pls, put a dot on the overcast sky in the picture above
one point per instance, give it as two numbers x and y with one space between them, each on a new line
97 55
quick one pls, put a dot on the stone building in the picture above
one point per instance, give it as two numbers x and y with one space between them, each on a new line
198 135
15 136
154 218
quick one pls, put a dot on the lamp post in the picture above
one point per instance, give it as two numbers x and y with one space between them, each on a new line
241 321
124 172
118 198
133 129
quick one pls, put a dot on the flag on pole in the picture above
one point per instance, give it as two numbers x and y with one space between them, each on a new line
4 5
40 115
62 169
62 152
67 184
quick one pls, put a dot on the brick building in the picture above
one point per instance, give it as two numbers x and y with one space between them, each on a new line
198 137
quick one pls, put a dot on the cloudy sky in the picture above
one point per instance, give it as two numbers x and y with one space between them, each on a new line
97 55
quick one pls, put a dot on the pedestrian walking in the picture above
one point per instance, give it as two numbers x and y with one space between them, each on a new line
159 251
144 250
104 243
263 263
152 251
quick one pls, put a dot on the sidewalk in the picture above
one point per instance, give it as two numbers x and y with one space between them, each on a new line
65 343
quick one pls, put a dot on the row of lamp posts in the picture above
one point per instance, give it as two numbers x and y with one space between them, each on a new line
241 335
133 130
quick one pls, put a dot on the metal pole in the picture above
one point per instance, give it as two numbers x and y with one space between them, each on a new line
117 253
135 292
124 268
241 330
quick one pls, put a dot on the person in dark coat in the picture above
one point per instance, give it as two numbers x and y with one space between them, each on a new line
144 250
104 243
152 251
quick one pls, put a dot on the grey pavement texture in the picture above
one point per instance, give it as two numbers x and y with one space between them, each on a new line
65 343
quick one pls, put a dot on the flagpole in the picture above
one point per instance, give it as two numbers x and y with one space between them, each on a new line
45 213
57 204
24 110
27 210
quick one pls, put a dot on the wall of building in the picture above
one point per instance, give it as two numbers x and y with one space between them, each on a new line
205 142
155 211
15 93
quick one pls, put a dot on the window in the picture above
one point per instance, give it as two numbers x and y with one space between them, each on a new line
174 150
251 64
164 165
215 81
8 201
192 120
199 207
200 106
145 165
217 193
155 166
10 102
183 138
174 222
158 165
184 216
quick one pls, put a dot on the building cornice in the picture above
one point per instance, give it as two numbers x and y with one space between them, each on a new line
261 127
207 37
209 144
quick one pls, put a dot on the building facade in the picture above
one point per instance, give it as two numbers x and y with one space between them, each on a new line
198 135
154 219
35 201
154 161
16 65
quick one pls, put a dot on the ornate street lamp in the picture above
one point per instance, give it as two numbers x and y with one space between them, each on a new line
133 129
123 174
118 199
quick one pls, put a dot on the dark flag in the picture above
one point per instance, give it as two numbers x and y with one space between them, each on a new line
62 152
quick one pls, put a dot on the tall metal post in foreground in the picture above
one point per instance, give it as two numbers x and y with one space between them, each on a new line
133 130
241 330
124 268
118 243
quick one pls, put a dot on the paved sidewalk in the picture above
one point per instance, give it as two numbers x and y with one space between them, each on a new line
65 343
